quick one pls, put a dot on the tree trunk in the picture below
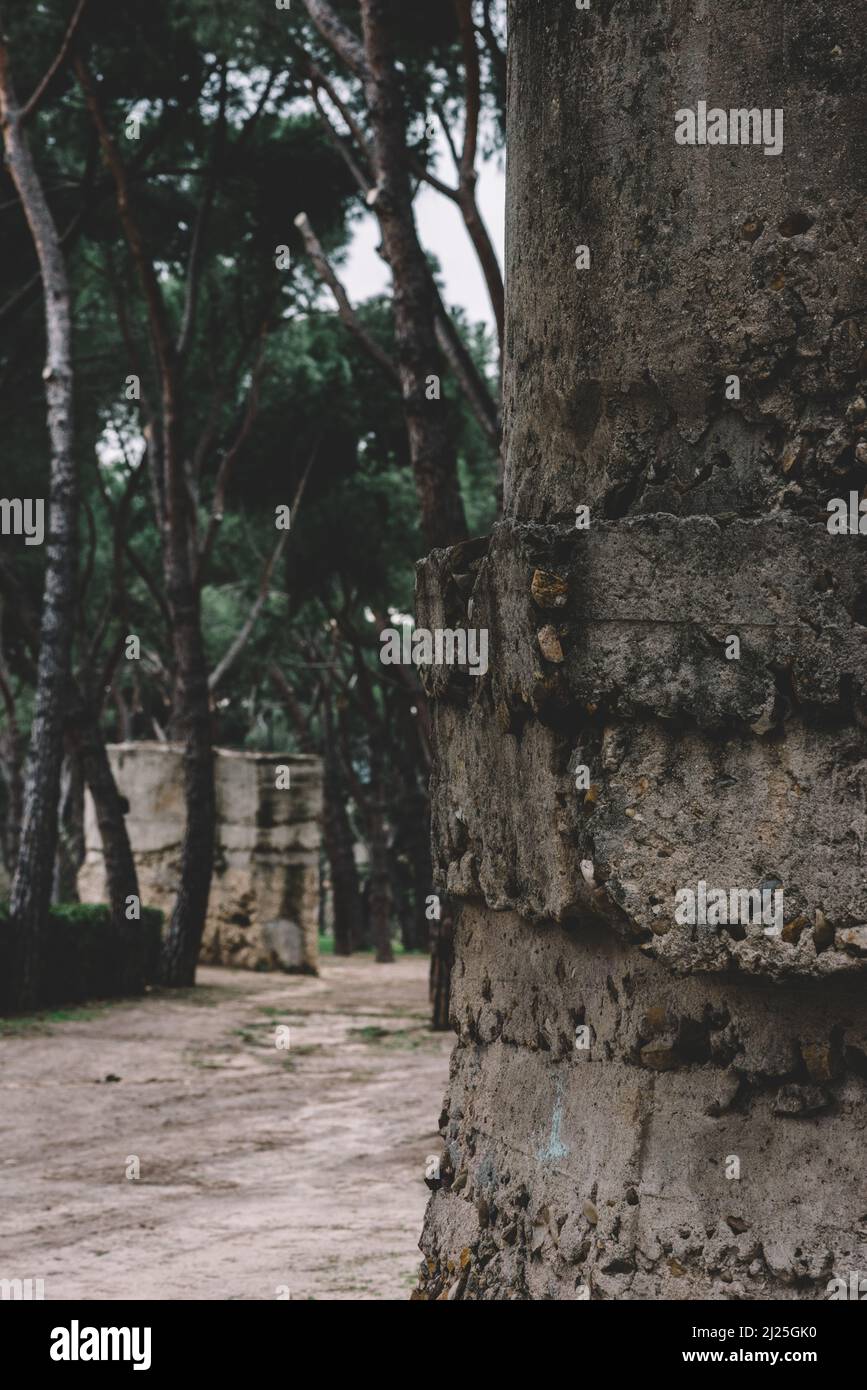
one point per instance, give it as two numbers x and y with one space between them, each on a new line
441 961
338 842
372 804
379 869
11 760
110 806
415 297
365 940
478 232
192 723
70 839
337 837
677 693
431 450
413 845
380 880
191 711
31 885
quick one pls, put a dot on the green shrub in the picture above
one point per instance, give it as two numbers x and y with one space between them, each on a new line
85 956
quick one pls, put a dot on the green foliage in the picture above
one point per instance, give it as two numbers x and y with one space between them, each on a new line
98 914
229 140
89 914
86 955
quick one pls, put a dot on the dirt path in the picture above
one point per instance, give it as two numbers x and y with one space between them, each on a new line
260 1168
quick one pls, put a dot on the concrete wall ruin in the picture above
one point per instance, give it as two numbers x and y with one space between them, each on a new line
705 1137
263 912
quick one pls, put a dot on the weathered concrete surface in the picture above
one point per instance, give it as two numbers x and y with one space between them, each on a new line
608 650
263 911
705 261
609 1168
737 772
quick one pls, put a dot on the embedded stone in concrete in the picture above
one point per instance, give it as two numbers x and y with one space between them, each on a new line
701 1137
614 1129
264 906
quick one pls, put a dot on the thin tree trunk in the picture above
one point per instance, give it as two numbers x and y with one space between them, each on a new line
10 766
370 800
380 876
125 720
431 450
376 822
110 807
441 960
192 722
191 712
339 847
70 839
420 860
412 834
415 299
338 839
372 803
31 886
473 221
11 760
365 940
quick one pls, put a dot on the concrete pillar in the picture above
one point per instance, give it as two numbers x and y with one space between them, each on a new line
642 1106
264 904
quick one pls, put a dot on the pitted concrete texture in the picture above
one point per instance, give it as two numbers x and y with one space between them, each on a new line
740 773
677 683
705 261
706 1143
794 595
715 1050
263 911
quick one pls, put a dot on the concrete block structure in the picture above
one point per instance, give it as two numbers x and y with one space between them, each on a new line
264 906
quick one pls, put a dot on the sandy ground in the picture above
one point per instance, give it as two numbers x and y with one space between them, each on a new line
265 1173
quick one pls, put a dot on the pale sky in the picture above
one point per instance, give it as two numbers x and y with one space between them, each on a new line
442 232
